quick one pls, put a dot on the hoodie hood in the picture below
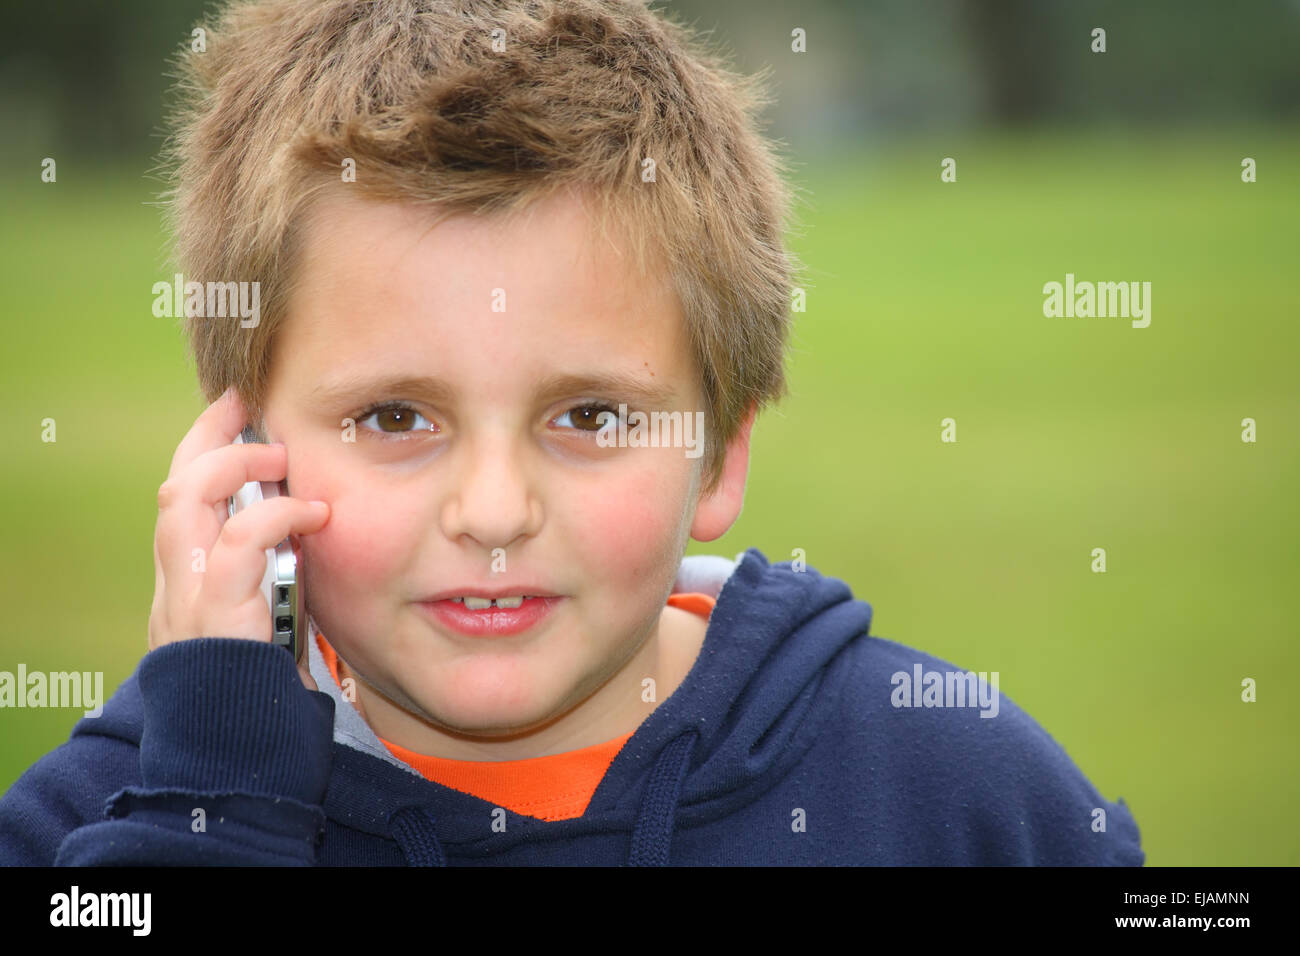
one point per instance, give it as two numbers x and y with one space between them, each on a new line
744 715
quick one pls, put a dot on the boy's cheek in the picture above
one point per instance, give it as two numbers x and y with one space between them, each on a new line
363 538
627 528
362 544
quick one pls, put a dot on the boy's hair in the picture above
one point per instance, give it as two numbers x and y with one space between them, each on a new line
435 108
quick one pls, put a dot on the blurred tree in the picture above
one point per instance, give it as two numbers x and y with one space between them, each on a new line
1013 41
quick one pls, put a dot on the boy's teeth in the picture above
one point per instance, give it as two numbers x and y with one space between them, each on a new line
482 604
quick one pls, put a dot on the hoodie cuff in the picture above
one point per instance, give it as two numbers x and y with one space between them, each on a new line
231 715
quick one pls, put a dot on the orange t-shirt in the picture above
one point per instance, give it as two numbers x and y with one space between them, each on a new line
557 787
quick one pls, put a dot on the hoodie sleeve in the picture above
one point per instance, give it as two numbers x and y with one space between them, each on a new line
234 758
60 792
1037 808
985 786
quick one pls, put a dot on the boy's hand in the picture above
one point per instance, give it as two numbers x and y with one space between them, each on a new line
225 599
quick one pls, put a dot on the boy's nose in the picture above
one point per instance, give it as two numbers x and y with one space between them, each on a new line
492 499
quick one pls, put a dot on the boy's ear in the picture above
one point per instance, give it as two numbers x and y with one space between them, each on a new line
718 510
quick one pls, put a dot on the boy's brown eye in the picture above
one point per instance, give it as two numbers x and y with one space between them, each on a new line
588 417
401 418
392 420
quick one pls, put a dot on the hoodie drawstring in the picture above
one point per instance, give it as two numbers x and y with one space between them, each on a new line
413 828
654 826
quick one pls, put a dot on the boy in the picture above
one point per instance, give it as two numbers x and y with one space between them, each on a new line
482 233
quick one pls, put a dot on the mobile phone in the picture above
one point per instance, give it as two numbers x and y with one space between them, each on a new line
282 583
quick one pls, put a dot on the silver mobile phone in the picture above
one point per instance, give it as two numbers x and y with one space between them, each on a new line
282 583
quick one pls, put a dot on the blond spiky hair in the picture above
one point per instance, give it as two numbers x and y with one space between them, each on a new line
437 109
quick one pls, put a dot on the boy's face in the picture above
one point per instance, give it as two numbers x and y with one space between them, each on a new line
506 319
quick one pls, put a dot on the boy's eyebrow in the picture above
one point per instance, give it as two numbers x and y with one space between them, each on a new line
609 384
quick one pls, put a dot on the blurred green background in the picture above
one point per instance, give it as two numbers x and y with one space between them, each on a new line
924 302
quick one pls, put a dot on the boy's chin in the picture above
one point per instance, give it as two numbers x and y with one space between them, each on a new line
489 726
502 713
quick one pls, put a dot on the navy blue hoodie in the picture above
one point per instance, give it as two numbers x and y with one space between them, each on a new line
796 738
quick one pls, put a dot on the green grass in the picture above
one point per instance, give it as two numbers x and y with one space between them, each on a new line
924 302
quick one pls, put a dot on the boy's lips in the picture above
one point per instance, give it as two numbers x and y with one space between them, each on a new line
492 621
491 594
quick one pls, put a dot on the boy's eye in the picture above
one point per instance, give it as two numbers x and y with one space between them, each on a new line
590 418
393 419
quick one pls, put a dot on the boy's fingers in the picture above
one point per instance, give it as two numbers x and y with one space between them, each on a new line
217 425
157 610
157 569
238 559
192 504
221 472
159 579
229 601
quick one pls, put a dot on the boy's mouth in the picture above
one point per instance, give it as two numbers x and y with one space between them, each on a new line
477 598
478 616
482 604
